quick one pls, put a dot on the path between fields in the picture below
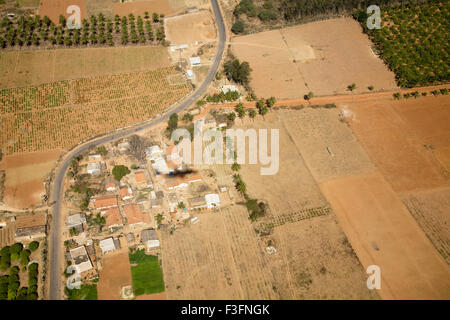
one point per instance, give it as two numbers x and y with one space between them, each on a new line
323 99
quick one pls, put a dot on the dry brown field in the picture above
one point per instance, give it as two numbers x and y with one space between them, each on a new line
188 28
115 274
25 68
329 147
54 8
431 210
323 57
217 258
25 175
138 8
315 261
383 232
403 139
293 188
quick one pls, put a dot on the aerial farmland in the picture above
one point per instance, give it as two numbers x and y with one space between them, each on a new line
319 167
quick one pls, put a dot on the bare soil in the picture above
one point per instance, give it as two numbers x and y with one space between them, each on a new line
115 274
383 232
323 57
54 8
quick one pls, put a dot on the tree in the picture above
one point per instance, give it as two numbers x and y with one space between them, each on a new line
188 117
370 88
181 205
62 20
33 246
146 15
351 87
238 27
237 71
172 124
235 166
252 113
25 257
240 110
155 17
270 102
231 116
308 96
120 171
263 111
397 96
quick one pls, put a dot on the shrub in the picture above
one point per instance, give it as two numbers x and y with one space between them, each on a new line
33 246
238 27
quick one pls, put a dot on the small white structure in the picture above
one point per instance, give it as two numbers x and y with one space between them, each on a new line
153 153
190 74
194 61
126 193
179 47
94 167
152 244
93 157
228 87
212 200
160 166
107 245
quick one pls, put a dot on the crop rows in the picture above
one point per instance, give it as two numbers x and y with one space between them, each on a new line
64 124
47 95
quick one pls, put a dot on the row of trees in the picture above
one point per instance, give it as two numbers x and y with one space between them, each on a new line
262 105
97 30
416 94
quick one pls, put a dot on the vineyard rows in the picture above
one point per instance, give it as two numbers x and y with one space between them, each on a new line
116 101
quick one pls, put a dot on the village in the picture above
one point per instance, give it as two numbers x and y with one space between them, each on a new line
122 195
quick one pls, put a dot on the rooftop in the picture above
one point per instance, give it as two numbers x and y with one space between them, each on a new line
113 217
149 234
134 214
30 221
105 201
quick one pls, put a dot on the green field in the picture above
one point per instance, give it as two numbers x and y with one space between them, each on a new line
25 68
86 292
413 41
147 275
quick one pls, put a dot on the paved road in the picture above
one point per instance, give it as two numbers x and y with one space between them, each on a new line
56 232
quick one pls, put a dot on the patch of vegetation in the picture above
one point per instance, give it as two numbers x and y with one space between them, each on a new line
172 124
237 71
86 292
120 171
413 41
147 275
222 97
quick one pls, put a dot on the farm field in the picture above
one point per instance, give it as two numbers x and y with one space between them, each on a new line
328 146
315 261
140 7
86 292
146 273
114 275
284 194
25 68
323 57
78 109
25 175
412 40
217 258
371 214
53 8
430 208
188 28
405 139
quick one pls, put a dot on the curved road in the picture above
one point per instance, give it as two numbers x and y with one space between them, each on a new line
56 232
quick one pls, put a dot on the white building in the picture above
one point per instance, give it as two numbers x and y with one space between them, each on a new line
94 167
108 245
212 200
160 166
81 259
194 61
179 47
190 74
227 88
153 153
